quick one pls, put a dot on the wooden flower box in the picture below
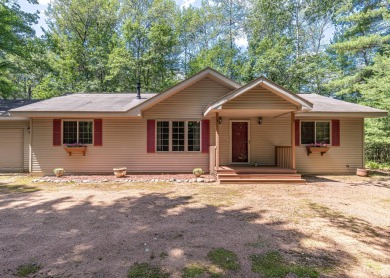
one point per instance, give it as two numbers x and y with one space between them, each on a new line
73 150
320 150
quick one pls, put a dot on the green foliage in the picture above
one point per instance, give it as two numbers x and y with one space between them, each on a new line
378 152
223 258
272 264
337 48
145 270
15 35
25 270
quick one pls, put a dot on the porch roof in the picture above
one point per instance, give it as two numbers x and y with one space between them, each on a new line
301 103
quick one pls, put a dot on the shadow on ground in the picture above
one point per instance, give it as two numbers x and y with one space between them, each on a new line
88 236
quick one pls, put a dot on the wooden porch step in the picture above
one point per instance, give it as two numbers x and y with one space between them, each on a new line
258 176
255 170
261 181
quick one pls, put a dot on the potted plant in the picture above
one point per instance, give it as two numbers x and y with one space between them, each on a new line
317 148
198 172
75 148
120 172
59 172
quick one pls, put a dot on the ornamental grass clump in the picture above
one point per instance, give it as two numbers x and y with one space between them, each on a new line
59 171
198 172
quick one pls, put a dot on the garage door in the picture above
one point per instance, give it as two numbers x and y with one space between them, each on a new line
11 150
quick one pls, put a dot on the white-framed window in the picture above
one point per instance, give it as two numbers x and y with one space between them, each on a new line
77 131
162 136
315 132
178 136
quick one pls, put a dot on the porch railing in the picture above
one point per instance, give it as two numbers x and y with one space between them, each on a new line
283 155
213 158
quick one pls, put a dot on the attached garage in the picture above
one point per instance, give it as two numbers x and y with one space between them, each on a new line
14 138
11 149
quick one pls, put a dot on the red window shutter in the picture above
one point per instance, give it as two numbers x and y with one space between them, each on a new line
297 133
205 136
98 132
56 132
336 133
151 136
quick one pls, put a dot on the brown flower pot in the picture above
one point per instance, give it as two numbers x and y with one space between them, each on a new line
120 172
362 172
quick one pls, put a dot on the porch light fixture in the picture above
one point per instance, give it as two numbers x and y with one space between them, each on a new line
259 120
220 120
28 130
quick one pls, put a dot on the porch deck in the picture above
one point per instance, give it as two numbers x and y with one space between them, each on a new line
261 174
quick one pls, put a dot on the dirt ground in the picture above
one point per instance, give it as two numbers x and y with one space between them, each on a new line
339 225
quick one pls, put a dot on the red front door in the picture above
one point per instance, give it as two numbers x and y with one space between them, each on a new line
240 142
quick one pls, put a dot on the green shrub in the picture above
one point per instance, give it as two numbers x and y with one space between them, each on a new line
25 270
378 152
372 165
198 171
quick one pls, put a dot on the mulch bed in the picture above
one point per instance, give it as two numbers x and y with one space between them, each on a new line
178 178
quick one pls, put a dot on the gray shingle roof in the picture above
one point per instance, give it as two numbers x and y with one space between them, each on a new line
6 105
327 104
86 102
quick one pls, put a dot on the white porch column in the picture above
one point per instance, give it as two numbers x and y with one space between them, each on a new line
293 140
217 140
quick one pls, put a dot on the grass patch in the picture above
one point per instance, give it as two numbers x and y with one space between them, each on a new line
223 258
272 264
146 270
25 270
195 270
17 188
217 196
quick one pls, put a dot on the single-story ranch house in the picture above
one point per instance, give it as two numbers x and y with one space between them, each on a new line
207 121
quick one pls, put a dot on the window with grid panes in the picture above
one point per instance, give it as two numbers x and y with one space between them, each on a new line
77 132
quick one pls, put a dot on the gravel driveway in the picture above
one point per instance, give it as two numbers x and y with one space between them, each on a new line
338 225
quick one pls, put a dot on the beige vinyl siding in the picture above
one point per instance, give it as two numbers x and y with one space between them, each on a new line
189 103
263 138
124 145
337 159
124 140
259 98
17 150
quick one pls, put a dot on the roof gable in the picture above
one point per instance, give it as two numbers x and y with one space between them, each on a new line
207 72
268 84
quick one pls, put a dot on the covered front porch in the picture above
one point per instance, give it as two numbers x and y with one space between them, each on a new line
249 149
255 127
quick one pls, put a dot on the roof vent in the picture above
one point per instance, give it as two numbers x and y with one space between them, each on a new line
139 90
